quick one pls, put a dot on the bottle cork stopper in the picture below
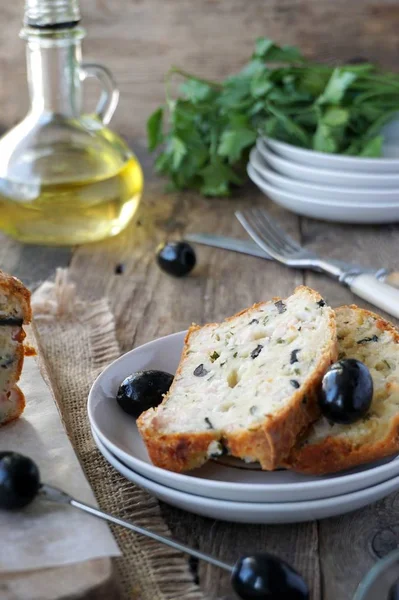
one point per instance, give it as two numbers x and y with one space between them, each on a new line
51 13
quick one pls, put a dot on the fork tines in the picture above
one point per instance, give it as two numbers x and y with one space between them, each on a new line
268 233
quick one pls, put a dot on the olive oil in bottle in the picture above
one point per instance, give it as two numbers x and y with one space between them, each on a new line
77 204
65 178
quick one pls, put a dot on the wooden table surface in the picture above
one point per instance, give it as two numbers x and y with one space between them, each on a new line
139 41
333 554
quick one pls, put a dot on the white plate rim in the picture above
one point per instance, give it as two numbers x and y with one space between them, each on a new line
256 158
212 484
353 479
282 507
334 159
370 214
266 153
311 201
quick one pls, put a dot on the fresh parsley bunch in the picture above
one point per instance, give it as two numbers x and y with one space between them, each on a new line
207 132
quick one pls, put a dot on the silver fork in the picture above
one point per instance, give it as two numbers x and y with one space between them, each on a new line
269 236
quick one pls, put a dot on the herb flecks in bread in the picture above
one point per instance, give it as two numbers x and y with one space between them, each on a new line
331 447
237 385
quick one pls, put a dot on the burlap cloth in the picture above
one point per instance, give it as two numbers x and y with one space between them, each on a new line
76 341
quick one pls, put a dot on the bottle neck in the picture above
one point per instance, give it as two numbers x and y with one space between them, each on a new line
53 66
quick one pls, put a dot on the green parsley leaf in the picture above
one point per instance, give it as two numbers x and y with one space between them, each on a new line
211 126
234 141
373 148
178 150
337 85
261 85
331 129
217 178
154 129
270 52
196 91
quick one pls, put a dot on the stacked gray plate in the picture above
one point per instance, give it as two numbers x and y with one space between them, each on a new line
230 489
331 187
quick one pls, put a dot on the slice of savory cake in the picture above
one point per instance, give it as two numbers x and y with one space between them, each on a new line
331 447
14 312
245 386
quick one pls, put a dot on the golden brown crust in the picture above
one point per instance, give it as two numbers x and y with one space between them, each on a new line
14 287
29 350
334 453
381 323
20 353
175 451
17 407
276 436
179 451
268 443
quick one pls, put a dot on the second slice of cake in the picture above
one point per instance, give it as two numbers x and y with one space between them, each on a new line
246 386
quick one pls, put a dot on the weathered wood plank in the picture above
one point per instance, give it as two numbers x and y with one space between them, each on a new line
139 41
349 545
373 246
297 544
92 580
32 264
148 303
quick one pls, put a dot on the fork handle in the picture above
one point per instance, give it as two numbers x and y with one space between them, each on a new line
376 292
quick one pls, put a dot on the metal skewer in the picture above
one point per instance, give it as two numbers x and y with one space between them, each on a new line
53 494
262 576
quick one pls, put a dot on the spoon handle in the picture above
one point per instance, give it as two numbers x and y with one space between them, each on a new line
55 495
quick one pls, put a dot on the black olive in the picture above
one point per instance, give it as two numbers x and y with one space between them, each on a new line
200 371
176 258
257 351
281 307
266 577
19 480
119 269
294 356
143 390
368 339
394 591
12 321
346 391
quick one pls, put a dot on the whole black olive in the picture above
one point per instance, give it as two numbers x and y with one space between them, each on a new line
143 390
394 591
176 258
266 577
19 480
346 391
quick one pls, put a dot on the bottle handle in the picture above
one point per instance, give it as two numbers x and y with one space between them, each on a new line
110 94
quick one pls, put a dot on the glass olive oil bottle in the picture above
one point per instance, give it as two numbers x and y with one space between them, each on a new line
65 178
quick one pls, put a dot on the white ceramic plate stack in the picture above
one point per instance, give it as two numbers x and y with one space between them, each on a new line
231 491
325 186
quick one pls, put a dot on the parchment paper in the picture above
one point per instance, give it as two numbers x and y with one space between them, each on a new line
45 534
